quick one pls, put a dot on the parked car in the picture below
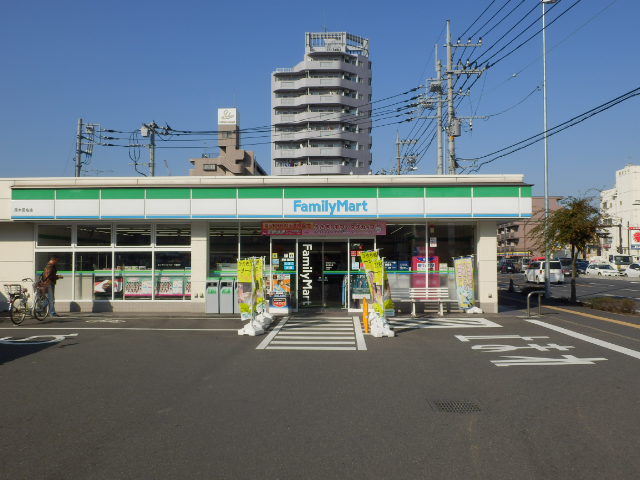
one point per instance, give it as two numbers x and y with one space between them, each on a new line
536 272
507 266
581 266
632 270
566 266
602 269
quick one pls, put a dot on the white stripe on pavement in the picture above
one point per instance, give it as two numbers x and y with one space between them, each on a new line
307 342
586 338
272 333
362 345
138 329
309 347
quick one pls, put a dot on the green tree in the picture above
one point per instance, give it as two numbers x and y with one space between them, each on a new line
575 224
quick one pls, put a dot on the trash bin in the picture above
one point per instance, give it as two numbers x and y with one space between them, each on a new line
227 297
212 296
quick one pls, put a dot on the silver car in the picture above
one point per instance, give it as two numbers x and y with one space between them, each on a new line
603 270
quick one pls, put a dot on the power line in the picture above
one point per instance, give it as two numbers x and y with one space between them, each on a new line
550 132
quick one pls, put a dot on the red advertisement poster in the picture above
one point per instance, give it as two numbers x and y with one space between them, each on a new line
418 267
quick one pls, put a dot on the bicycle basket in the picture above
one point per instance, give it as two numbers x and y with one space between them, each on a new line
13 288
41 288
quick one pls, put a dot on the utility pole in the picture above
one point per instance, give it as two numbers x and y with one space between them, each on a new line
152 153
149 130
400 157
434 86
454 129
451 113
79 148
440 168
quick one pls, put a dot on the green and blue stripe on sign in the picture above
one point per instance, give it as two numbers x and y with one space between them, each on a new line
273 202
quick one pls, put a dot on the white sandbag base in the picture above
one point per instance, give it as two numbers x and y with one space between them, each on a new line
379 327
252 329
473 310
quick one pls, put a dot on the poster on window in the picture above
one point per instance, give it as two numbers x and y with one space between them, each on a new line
418 269
138 286
170 286
280 293
465 288
103 286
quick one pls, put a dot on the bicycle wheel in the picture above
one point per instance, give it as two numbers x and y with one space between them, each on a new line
41 307
18 310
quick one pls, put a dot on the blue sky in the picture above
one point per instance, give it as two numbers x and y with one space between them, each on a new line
120 64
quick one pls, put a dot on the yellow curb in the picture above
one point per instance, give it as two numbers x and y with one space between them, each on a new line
619 322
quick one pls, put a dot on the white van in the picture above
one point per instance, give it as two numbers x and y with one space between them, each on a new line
535 272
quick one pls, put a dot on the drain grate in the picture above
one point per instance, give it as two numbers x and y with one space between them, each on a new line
454 406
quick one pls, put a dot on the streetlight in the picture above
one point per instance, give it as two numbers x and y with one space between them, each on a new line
546 147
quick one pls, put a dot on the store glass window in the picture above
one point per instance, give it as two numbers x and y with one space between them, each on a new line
446 243
133 235
283 273
133 272
94 235
93 276
223 249
54 235
173 275
64 286
403 250
173 235
358 286
252 242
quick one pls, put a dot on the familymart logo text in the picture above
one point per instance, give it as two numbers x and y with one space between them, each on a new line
330 207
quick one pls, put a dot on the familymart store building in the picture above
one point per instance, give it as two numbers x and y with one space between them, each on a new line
166 243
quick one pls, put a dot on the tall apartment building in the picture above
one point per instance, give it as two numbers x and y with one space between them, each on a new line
321 109
620 206
232 160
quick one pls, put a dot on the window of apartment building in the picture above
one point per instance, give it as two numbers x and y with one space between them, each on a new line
210 167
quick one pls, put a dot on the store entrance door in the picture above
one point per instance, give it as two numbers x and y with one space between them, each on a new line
322 274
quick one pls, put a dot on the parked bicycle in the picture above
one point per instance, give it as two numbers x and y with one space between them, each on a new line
20 304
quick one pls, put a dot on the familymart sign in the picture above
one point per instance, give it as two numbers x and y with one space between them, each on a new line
381 202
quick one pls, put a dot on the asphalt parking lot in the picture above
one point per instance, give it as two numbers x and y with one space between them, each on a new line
586 286
144 396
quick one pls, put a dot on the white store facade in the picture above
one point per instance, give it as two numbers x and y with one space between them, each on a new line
158 244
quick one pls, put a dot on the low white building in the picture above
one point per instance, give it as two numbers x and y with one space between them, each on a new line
621 207
172 243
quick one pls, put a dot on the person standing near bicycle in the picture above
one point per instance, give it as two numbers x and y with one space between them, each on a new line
49 278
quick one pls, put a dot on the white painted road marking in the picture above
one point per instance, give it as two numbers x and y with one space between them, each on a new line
586 338
36 339
524 361
138 329
315 334
400 323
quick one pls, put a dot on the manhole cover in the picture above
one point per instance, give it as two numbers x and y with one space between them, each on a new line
454 406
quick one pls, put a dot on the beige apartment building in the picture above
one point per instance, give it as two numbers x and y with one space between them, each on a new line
514 237
232 161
